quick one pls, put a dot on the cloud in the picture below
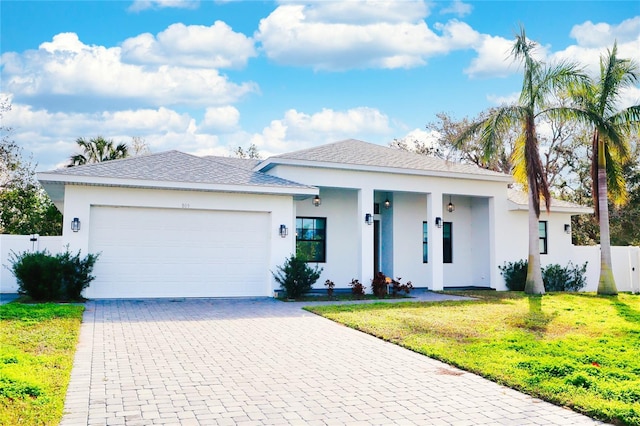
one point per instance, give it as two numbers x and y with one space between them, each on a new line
140 5
222 119
215 46
458 8
500 100
66 69
370 35
297 130
493 58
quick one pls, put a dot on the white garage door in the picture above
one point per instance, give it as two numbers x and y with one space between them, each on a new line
147 252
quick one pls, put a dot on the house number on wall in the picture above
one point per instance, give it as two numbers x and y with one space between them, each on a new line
185 205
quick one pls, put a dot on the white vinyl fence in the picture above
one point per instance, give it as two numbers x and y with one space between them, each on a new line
19 244
626 261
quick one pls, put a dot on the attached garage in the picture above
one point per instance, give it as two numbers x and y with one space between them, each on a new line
153 252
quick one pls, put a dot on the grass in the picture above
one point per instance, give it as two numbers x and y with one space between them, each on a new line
575 350
339 297
37 346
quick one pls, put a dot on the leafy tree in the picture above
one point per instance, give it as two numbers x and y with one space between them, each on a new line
24 206
251 152
539 83
96 150
598 102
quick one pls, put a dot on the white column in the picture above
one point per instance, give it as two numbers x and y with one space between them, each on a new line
365 206
493 274
434 210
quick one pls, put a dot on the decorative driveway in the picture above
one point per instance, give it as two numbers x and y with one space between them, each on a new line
265 362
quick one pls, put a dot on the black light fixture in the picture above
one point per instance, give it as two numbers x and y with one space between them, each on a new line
368 218
283 231
439 222
451 207
75 224
567 228
387 203
317 201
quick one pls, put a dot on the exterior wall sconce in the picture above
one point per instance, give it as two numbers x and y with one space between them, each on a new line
283 231
387 203
451 207
317 201
439 222
567 228
75 224
368 218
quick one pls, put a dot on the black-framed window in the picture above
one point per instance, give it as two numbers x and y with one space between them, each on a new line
425 242
543 236
447 242
311 239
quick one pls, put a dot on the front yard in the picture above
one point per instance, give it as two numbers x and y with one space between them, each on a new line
575 350
37 347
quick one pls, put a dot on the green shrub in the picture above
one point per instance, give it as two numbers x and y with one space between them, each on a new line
570 278
45 277
515 274
555 277
295 277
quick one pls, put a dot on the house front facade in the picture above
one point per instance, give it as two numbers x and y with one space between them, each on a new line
176 225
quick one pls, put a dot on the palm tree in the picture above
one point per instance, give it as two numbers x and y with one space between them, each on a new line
97 150
539 82
597 103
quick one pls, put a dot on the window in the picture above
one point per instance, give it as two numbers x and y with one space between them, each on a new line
542 234
447 242
311 238
425 243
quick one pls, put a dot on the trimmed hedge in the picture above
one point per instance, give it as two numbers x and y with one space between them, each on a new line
556 278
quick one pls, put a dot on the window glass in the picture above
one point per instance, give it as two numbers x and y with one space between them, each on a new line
543 237
447 242
311 239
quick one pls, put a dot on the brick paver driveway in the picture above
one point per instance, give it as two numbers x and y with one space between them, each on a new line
264 362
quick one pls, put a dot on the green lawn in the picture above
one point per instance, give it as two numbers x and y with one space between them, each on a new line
575 350
37 346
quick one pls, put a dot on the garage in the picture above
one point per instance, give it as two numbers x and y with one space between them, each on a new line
163 252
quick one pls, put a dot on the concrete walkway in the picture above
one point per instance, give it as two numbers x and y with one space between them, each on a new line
265 362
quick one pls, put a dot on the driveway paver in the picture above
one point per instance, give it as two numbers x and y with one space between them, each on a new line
265 362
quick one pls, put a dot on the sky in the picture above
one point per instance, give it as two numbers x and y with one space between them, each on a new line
205 77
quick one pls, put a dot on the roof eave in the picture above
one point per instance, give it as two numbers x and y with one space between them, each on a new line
271 163
46 178
513 206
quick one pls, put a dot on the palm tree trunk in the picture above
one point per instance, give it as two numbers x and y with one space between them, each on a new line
606 283
534 283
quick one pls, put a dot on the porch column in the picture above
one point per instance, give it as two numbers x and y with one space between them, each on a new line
434 210
365 206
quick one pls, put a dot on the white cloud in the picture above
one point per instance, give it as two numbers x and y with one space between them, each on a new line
602 34
426 137
140 5
458 8
500 100
66 68
222 119
215 46
493 58
297 130
319 37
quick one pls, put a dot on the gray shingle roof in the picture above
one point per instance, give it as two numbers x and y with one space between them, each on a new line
243 163
359 153
176 166
522 199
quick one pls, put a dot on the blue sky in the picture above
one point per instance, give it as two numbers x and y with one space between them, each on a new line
204 77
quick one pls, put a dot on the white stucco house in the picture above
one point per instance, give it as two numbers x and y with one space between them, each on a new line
176 225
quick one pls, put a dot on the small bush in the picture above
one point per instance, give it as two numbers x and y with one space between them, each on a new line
295 277
515 274
330 286
357 289
379 285
555 277
397 287
45 277
570 278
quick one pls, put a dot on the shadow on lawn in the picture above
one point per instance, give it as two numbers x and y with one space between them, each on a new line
626 311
